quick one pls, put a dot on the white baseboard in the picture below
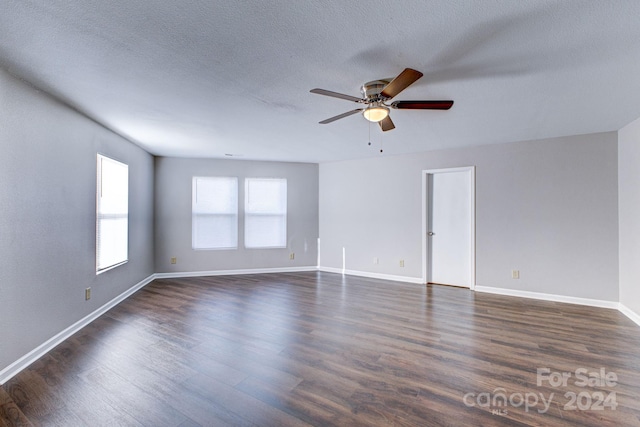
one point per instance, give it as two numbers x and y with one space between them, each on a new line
180 274
12 370
331 270
549 297
381 276
635 317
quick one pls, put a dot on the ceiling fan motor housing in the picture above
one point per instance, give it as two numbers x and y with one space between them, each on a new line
371 90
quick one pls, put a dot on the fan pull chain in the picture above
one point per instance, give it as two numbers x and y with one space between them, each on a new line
369 143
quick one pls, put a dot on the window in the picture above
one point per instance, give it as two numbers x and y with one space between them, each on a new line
112 213
214 211
265 208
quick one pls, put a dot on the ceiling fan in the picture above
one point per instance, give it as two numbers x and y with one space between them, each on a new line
375 96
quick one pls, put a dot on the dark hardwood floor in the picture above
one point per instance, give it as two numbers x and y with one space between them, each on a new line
326 350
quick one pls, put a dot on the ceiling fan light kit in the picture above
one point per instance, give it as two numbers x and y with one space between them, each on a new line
376 93
376 114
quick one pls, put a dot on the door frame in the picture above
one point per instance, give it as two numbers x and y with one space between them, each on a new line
471 170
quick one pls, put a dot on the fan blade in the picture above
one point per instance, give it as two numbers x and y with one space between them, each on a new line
336 95
401 82
386 124
340 116
422 105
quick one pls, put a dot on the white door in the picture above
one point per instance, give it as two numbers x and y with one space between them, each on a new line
450 227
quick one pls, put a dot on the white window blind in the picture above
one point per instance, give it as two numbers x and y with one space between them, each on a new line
265 209
215 213
112 218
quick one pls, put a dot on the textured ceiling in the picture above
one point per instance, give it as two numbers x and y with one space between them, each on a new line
204 78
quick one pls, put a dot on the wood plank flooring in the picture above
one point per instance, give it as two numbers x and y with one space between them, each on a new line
329 350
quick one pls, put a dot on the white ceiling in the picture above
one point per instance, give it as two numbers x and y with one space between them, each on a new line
205 78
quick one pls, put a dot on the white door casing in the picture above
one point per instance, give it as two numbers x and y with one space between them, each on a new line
448 231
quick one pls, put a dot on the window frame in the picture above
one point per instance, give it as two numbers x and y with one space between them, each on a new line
101 216
248 213
195 213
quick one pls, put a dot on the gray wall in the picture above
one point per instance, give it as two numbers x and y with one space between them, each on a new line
548 208
173 215
629 190
47 217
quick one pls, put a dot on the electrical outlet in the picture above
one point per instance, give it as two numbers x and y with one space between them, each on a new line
174 260
515 274
292 255
87 294
401 263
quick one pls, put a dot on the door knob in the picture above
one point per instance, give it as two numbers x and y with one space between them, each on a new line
431 233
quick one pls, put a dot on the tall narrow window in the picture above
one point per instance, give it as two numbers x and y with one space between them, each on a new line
214 211
112 222
265 208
